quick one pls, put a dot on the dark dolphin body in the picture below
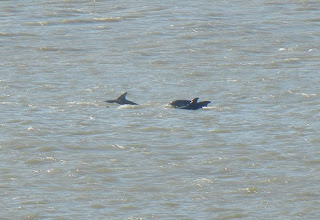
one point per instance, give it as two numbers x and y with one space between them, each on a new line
194 104
179 103
122 100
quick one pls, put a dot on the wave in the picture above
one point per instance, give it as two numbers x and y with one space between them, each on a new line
91 20
75 21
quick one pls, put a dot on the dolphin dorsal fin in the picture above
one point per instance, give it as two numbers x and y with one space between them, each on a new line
195 100
122 96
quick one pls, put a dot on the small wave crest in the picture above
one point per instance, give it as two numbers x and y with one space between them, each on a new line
130 107
74 21
91 20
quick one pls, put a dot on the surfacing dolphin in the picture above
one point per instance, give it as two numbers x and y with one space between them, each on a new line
189 105
121 100
179 103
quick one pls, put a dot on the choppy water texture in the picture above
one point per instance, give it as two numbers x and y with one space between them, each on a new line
252 154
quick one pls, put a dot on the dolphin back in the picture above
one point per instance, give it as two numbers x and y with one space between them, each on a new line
111 101
179 103
122 100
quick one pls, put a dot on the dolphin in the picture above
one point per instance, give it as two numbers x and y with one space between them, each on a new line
194 104
179 103
121 100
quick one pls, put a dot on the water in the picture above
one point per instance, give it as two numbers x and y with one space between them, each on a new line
252 154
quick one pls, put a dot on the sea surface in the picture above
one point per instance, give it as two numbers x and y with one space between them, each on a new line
253 153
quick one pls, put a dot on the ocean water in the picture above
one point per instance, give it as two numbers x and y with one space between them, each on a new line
253 153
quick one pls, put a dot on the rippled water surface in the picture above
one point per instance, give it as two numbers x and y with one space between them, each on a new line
253 153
